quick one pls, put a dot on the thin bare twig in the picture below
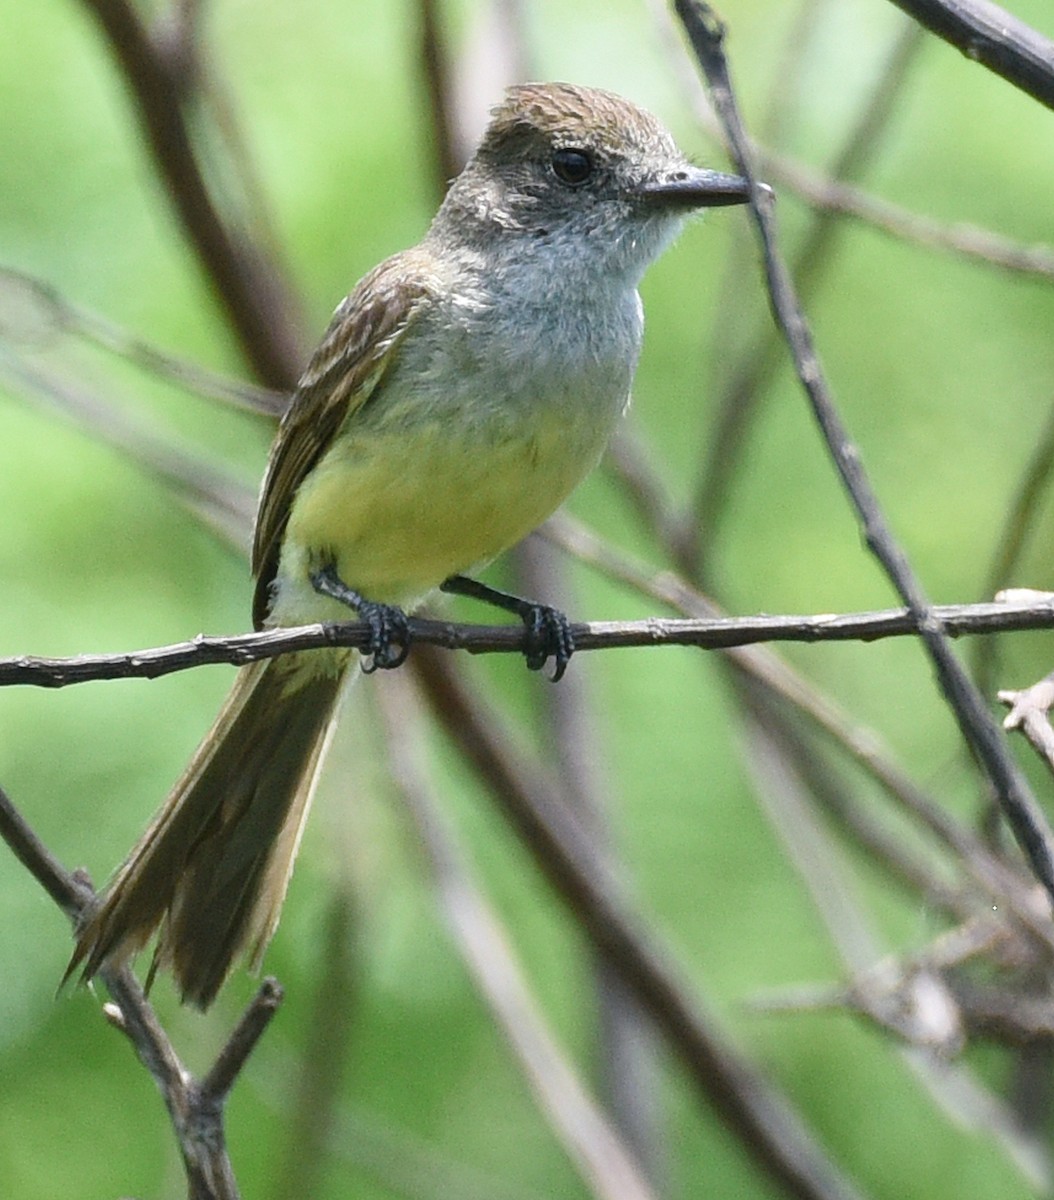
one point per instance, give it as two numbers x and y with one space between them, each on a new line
33 314
979 730
705 633
252 292
196 1109
217 1084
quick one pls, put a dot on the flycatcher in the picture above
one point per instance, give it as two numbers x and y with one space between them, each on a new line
460 393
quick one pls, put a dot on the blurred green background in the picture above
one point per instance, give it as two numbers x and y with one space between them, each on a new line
945 371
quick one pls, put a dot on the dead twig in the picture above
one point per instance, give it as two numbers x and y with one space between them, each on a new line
253 293
719 633
196 1108
990 35
1030 712
979 730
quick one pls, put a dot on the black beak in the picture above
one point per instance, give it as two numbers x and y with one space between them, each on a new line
694 187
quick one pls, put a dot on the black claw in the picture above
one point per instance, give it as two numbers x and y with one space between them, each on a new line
548 631
389 642
389 636
548 636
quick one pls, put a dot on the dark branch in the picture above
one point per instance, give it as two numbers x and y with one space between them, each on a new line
993 37
68 891
196 1110
976 724
720 633
216 1086
254 297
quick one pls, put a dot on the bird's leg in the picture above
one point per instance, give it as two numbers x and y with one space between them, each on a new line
548 630
389 630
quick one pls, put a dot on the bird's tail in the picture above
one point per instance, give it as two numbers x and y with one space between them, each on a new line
210 873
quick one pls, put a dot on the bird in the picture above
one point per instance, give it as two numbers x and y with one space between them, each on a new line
461 391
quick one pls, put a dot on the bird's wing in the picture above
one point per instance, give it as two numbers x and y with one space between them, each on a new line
345 370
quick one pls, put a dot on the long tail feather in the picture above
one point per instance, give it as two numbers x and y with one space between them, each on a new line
211 871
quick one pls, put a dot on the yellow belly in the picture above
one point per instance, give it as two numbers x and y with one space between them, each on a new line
400 512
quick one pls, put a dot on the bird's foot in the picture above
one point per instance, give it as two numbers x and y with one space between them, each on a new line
548 631
389 642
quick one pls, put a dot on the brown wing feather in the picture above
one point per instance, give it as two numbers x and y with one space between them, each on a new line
344 371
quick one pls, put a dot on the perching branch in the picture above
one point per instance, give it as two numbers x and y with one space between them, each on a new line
707 634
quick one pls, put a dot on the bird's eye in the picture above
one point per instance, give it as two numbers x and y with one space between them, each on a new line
572 167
